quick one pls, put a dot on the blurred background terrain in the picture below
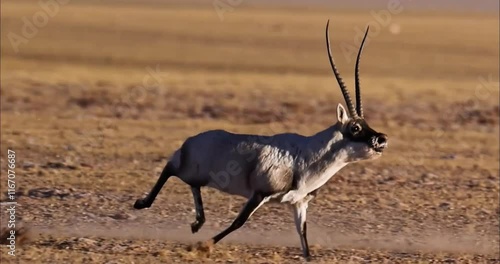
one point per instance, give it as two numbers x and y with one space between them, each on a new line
95 95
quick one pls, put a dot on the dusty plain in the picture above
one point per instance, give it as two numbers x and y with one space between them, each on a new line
95 102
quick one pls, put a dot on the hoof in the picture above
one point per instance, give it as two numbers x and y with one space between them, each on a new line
195 227
140 204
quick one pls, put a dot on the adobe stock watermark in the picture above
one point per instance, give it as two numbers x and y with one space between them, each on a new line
381 19
33 24
223 6
485 87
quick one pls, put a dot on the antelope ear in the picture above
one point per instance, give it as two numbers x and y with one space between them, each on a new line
342 114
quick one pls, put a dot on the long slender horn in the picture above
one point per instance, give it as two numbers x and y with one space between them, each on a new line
359 106
343 88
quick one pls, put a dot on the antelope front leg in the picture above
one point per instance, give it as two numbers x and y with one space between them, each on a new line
299 213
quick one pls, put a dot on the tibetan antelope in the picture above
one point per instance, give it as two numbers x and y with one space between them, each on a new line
287 168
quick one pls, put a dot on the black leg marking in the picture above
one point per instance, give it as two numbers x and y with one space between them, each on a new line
251 206
200 214
306 253
300 211
148 200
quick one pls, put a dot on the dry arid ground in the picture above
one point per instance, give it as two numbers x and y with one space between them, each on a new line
96 100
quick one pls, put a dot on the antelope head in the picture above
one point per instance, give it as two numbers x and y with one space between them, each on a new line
362 141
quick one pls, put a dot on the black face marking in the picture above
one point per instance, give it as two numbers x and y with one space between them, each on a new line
355 128
358 130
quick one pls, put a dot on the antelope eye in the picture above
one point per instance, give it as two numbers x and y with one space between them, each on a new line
355 128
